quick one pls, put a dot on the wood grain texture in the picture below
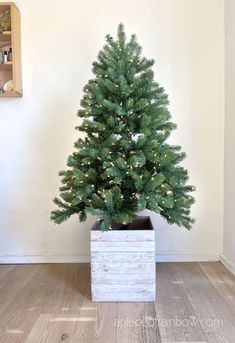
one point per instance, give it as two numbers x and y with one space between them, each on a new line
128 268
136 323
103 288
12 284
16 50
123 246
204 297
50 289
4 270
129 256
123 236
123 278
124 296
53 304
121 253
173 307
221 279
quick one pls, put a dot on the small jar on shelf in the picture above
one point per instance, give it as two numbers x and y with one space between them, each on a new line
9 55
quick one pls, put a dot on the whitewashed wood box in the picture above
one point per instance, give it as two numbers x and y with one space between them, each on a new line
123 262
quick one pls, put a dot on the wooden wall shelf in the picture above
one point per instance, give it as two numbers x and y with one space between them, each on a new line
5 66
11 94
5 36
11 70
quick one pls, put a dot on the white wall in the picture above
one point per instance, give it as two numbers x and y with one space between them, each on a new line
229 143
60 40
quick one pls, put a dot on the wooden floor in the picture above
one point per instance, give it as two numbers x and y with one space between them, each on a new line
51 303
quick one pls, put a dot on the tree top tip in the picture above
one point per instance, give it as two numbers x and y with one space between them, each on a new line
120 27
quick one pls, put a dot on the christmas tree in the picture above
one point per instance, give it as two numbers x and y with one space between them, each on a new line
124 164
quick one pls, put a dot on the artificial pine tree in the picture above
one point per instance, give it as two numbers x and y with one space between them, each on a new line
124 165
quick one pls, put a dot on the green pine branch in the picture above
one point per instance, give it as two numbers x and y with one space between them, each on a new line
124 164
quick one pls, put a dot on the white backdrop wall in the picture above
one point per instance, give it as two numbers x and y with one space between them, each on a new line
229 143
60 40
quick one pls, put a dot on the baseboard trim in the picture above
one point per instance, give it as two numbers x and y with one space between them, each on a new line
44 259
203 257
227 263
85 258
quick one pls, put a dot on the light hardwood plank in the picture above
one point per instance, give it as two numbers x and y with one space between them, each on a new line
53 289
4 269
136 323
38 332
53 304
217 318
13 283
102 329
221 279
83 326
174 309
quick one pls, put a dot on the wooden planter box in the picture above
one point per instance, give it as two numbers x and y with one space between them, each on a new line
123 262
